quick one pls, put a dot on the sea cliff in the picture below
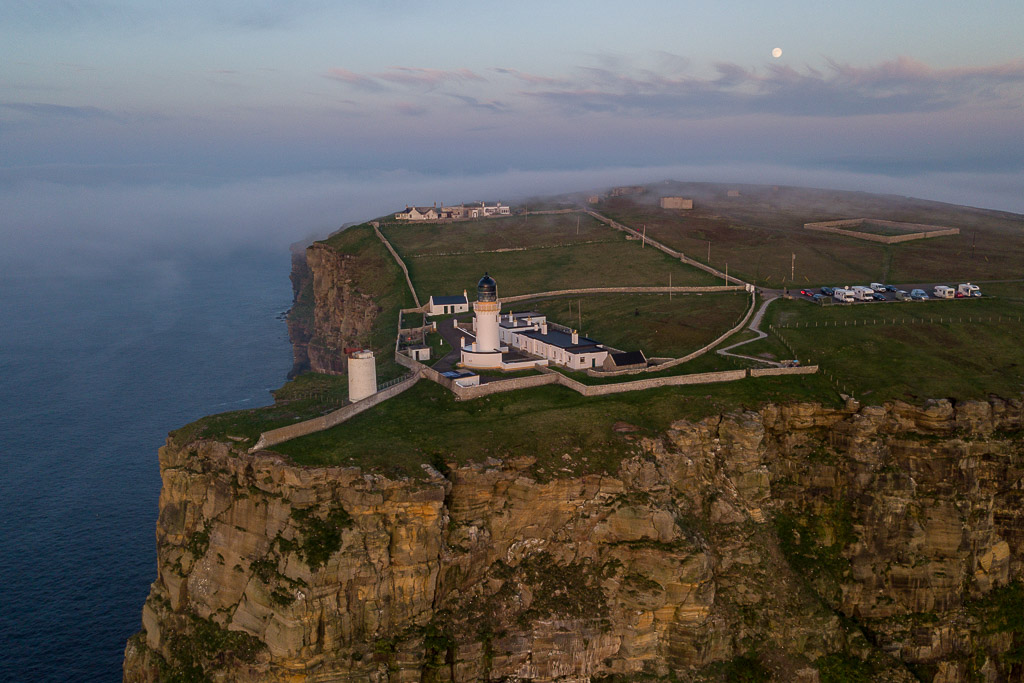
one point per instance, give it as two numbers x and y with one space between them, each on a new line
795 542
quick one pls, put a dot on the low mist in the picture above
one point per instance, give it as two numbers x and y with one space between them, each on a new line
74 229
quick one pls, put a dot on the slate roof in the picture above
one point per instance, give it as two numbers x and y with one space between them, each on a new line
448 300
628 358
564 341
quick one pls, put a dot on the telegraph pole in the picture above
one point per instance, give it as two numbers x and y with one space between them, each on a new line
792 268
709 252
643 242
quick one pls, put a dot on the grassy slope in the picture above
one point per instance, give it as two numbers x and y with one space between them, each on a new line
554 257
758 232
651 323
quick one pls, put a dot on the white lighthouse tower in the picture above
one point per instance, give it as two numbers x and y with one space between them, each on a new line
485 352
486 311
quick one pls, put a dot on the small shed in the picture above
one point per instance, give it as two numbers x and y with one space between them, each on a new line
676 203
447 305
420 352
628 360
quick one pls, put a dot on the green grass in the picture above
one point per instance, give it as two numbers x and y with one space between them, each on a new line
427 425
617 263
930 355
653 323
549 256
758 233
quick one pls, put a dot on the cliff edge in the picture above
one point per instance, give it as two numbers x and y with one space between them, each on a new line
794 542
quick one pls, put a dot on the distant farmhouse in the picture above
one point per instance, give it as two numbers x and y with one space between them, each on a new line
676 203
628 189
460 212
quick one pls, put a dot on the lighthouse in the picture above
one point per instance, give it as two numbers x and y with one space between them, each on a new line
486 351
486 311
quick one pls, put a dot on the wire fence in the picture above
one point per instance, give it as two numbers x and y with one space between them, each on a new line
841 387
904 321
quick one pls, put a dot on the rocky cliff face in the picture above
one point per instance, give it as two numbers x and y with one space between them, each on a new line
330 312
793 543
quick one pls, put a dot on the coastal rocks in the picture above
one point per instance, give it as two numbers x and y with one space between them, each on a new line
805 538
329 313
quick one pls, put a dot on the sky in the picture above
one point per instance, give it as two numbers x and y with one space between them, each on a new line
266 120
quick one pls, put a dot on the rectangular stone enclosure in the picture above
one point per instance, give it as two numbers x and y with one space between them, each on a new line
885 232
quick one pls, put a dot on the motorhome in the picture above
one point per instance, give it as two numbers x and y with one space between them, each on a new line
862 293
944 292
844 295
967 289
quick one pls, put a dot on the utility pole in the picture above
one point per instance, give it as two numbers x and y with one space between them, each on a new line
792 268
727 272
579 312
577 226
709 252
670 286
643 242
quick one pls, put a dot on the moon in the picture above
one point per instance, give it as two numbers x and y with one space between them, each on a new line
777 52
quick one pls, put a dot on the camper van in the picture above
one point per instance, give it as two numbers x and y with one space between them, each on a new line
843 295
944 292
967 289
862 293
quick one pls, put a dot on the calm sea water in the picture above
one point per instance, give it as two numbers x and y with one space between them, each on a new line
96 366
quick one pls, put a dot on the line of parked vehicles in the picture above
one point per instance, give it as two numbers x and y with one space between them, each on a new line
877 291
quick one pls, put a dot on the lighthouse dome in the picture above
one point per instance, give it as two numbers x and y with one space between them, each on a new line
486 289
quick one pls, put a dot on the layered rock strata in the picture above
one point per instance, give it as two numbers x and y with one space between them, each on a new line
794 541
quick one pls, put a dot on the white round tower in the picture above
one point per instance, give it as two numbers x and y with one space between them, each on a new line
362 376
486 309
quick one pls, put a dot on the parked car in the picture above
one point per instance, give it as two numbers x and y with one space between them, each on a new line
877 286
878 297
818 297
918 295
891 288
901 295
805 292
828 291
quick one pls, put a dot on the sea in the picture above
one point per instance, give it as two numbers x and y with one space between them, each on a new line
97 364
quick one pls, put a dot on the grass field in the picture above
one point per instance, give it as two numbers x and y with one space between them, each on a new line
548 256
652 323
426 425
758 233
914 350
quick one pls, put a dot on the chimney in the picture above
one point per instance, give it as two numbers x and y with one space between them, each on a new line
543 328
462 342
575 337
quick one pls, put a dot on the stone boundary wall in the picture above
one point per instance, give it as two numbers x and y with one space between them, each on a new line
625 290
400 262
658 245
318 424
836 227
549 212
769 372
273 437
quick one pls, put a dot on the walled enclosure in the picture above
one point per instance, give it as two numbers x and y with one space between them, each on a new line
840 228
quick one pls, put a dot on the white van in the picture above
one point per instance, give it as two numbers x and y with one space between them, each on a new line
944 292
843 295
877 286
967 289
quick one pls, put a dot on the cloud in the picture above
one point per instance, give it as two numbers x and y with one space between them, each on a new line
356 80
900 86
489 105
532 79
404 76
410 109
46 110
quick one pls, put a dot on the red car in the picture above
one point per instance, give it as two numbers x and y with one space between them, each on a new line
805 292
